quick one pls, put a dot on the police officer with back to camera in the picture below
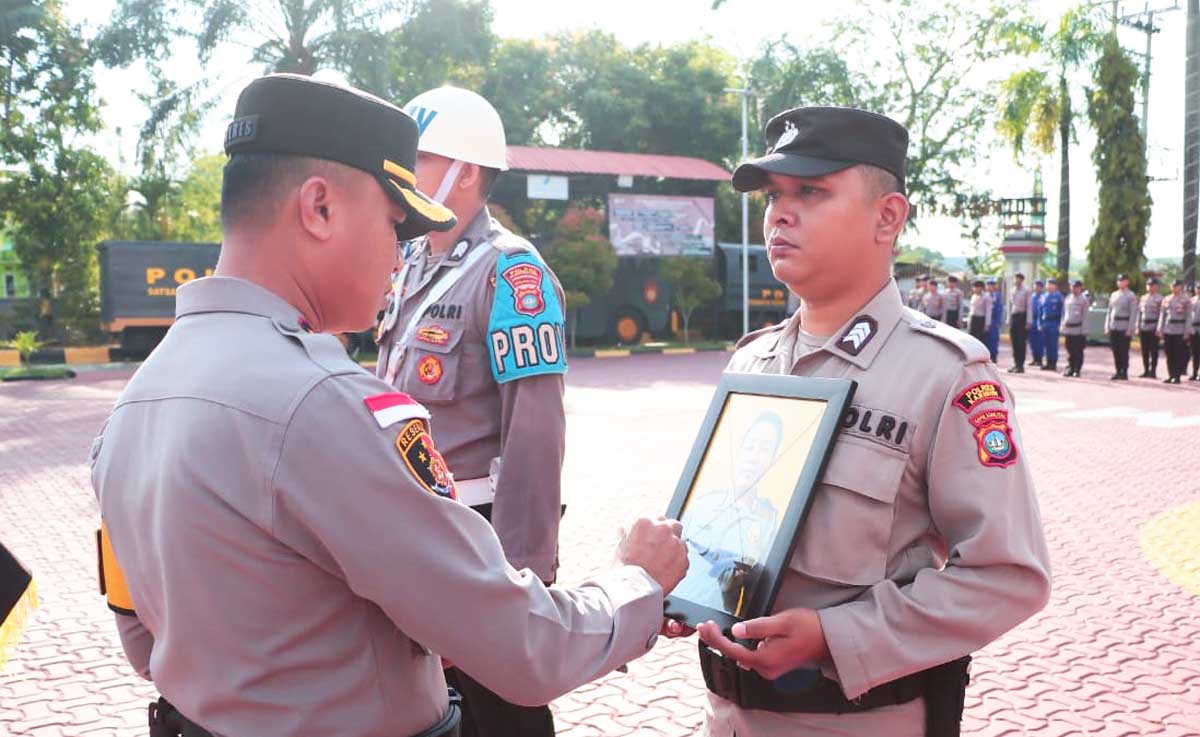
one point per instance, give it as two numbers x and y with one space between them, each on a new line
921 546
474 332
1119 324
1149 310
1018 323
1074 328
294 558
954 298
1050 314
1036 344
1173 327
1194 333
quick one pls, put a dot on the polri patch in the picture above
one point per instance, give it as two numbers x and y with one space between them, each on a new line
427 465
525 330
433 334
978 393
429 370
994 436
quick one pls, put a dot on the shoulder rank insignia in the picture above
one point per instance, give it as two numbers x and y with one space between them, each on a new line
427 465
525 330
978 393
388 409
994 435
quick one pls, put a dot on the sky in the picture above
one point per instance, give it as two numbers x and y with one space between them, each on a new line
742 26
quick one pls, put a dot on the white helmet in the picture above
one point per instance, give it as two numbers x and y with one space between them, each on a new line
461 125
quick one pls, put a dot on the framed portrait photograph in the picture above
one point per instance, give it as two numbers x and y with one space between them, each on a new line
746 489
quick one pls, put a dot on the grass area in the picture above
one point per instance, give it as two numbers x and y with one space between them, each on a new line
35 374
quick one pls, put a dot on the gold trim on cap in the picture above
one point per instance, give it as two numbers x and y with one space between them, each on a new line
431 211
399 172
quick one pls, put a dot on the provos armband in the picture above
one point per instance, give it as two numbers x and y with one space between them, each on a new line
112 580
525 331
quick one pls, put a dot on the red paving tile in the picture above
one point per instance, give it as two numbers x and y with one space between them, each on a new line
1115 652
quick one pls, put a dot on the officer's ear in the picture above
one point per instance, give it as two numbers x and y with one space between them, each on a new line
316 209
468 178
891 215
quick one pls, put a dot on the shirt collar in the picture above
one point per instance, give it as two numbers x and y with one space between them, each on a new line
229 294
859 340
475 232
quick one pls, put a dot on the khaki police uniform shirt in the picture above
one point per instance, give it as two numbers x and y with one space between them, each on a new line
924 541
293 571
953 299
1075 315
1122 312
1149 311
1194 320
513 432
934 305
981 306
1173 319
1018 306
916 297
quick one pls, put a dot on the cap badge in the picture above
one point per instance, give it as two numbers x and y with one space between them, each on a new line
856 337
789 134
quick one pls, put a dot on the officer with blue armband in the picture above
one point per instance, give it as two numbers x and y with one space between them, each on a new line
474 331
1036 344
1050 312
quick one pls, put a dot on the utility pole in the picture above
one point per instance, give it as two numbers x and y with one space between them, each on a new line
745 93
1144 22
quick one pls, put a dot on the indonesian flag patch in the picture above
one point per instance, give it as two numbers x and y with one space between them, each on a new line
388 409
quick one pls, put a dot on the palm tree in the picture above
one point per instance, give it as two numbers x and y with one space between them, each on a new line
1191 142
17 19
1037 109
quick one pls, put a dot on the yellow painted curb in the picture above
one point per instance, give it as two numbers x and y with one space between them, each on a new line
677 351
1171 542
613 353
94 354
10 358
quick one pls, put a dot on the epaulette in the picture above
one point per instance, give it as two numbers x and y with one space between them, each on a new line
324 350
750 337
970 348
509 243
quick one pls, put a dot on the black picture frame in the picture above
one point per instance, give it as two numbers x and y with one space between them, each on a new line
755 584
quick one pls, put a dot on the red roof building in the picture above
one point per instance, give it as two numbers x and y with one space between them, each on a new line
613 163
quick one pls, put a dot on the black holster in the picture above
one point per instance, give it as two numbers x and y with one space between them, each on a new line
945 696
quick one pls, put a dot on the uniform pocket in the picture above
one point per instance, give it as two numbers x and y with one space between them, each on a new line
432 363
846 535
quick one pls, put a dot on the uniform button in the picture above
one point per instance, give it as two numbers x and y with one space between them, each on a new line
287 327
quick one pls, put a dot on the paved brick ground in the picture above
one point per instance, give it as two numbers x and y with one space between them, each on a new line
1117 652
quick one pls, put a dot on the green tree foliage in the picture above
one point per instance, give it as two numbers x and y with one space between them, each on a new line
1118 243
58 196
582 258
197 216
25 343
1191 143
19 22
919 255
1036 107
691 286
929 67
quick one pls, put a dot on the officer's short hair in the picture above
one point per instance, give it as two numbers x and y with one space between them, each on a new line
254 185
879 182
487 180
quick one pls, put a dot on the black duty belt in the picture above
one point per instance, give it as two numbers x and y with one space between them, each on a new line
166 721
1176 322
819 695
1073 325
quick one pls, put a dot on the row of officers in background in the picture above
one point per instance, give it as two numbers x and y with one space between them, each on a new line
1036 317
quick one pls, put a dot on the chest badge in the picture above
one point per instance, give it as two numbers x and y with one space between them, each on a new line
433 334
858 335
429 370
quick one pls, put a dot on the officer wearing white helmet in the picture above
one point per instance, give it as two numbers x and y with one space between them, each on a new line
474 331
